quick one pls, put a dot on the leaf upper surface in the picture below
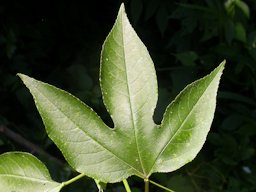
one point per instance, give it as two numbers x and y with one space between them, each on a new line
186 123
129 88
136 145
25 173
86 142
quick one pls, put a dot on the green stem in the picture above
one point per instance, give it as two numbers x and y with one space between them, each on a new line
161 186
146 185
72 180
126 185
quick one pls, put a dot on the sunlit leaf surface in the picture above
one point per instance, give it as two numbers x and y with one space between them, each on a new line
22 172
136 145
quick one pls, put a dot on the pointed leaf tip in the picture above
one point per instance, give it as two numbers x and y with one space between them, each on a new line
187 121
81 125
129 89
222 64
20 75
122 7
23 77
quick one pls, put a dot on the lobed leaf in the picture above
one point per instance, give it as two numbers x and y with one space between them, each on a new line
136 145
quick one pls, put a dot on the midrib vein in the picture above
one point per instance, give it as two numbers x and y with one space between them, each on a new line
40 180
183 122
129 94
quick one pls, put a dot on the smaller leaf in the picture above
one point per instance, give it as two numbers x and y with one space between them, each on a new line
22 172
240 33
187 58
243 7
230 7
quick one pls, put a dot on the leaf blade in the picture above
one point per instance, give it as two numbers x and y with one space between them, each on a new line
136 145
129 86
79 133
187 121
23 169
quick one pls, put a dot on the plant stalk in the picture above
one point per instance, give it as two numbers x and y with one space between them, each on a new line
161 186
126 185
146 185
73 179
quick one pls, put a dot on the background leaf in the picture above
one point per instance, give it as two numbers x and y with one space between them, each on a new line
22 172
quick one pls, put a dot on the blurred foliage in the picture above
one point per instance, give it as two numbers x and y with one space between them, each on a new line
60 43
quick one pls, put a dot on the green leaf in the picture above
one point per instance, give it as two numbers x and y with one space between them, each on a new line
243 7
136 145
230 6
186 123
240 32
22 172
187 58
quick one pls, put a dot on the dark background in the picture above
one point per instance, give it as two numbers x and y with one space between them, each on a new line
60 43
